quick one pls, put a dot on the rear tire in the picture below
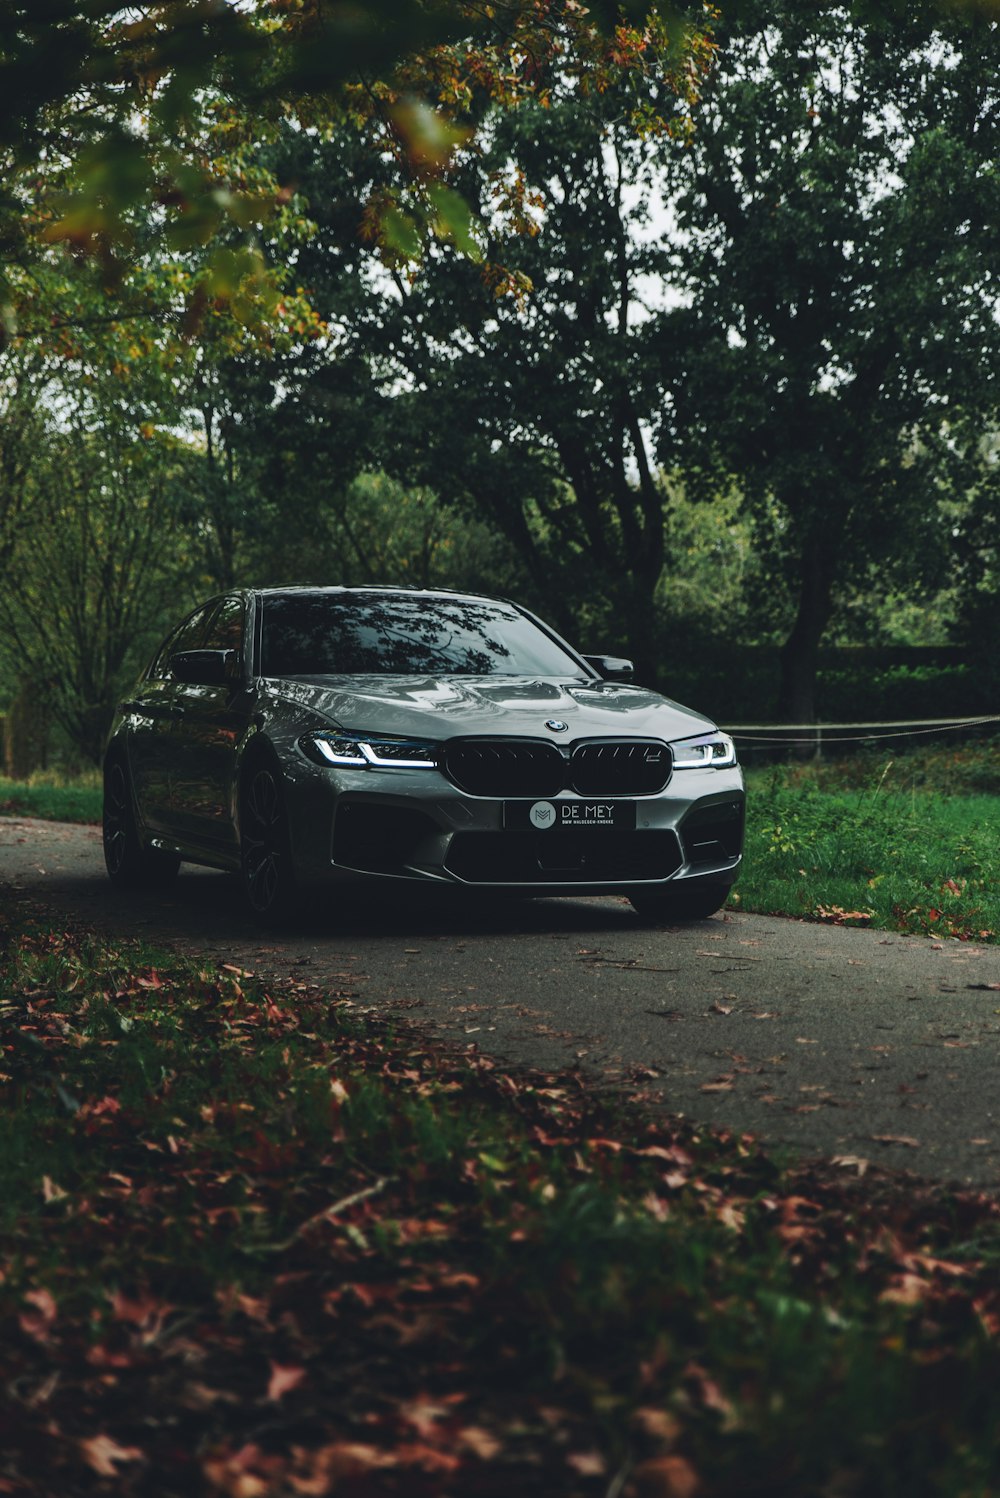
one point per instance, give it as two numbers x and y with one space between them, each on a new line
267 874
129 863
689 900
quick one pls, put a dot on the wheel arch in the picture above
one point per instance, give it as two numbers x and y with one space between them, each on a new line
256 750
117 754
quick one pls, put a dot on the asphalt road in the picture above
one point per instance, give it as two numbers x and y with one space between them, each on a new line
839 1042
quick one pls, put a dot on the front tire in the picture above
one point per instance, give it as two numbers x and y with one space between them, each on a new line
689 900
129 863
266 870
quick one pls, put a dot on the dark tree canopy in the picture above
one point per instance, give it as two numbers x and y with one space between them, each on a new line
837 215
796 298
507 253
121 128
539 411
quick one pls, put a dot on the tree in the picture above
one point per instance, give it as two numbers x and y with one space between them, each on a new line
797 299
544 413
134 143
93 498
109 114
375 530
836 211
537 412
978 558
91 575
22 392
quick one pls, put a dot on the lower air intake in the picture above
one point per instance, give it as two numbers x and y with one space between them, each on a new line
379 839
562 857
713 834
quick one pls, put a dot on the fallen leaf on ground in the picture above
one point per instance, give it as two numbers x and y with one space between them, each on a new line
665 1477
283 1380
102 1454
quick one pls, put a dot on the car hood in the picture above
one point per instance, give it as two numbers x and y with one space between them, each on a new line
436 707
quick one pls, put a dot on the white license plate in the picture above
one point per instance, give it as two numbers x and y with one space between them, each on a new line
560 816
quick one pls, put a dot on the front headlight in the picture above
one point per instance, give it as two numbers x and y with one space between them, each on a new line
713 751
365 751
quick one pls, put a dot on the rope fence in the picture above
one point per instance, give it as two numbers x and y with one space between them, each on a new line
776 735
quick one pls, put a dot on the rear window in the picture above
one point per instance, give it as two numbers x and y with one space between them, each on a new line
347 634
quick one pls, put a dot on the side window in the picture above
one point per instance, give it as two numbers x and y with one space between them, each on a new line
188 637
226 630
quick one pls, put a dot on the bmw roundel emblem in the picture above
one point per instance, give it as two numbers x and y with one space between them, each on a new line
556 725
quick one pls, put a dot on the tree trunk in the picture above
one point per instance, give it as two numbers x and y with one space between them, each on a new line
642 640
800 652
25 734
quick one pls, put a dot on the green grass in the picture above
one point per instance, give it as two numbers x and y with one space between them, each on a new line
53 797
970 768
901 846
213 1190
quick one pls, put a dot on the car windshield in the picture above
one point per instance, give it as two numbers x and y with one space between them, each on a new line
345 634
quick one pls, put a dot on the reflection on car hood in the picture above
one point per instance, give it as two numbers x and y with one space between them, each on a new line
437 707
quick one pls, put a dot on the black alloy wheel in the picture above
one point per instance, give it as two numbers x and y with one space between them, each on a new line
265 847
687 900
129 864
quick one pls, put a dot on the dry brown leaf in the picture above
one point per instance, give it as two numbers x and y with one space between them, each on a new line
851 1162
102 1454
479 1441
665 1477
284 1378
657 1424
587 1463
906 1290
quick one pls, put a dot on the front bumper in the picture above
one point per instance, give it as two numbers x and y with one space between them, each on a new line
371 825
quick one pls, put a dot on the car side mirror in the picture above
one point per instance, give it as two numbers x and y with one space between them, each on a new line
611 667
205 668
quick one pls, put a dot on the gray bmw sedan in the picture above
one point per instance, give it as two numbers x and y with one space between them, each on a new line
303 737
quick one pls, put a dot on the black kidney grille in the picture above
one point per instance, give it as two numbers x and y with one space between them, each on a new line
505 767
533 767
633 767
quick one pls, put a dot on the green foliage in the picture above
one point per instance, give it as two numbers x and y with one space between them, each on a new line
869 692
835 209
737 683
121 498
663 394
946 765
91 569
530 411
819 317
978 562
904 851
376 530
53 797
112 120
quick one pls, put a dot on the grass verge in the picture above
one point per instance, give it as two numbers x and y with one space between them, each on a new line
254 1242
883 849
52 798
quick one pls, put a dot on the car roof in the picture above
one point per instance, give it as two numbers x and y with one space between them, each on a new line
379 590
